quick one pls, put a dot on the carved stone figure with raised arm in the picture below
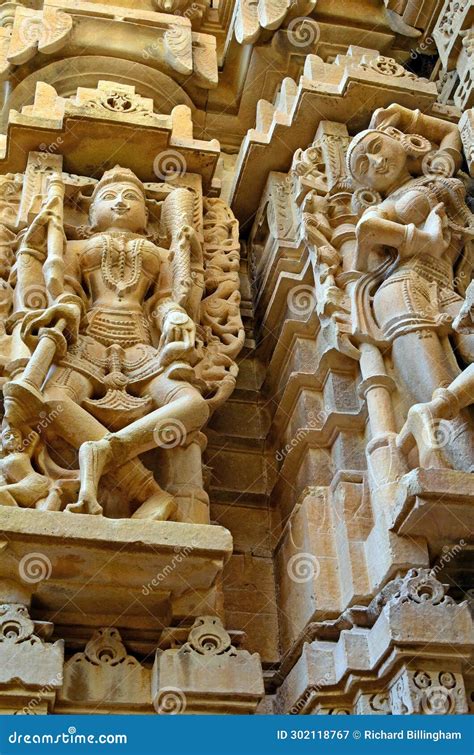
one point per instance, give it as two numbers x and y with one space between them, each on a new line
407 245
423 419
117 343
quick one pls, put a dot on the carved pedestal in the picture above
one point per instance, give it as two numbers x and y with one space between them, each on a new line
31 669
207 674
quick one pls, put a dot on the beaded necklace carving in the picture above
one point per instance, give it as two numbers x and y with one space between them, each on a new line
117 281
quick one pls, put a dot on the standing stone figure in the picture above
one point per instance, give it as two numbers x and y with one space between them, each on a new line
408 243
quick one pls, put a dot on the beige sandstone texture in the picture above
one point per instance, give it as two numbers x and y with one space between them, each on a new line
236 354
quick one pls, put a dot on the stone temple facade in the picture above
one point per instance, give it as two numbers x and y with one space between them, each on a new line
236 345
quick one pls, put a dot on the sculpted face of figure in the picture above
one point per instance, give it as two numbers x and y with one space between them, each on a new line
119 205
12 440
379 161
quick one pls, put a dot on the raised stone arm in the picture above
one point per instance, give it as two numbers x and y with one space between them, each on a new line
380 228
414 122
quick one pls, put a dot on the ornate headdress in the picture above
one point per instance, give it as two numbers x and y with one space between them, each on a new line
118 175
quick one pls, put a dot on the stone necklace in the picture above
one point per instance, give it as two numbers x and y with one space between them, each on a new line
117 281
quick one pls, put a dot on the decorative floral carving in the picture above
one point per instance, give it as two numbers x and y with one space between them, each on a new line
208 637
119 102
388 67
106 648
379 702
15 624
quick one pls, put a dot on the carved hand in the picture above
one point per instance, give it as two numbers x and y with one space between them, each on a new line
437 232
49 213
50 317
178 337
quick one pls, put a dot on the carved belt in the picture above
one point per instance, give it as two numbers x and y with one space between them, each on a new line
109 326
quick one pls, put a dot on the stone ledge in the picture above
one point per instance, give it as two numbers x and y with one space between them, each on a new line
435 504
139 574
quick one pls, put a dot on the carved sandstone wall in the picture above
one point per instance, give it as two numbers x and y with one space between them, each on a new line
236 345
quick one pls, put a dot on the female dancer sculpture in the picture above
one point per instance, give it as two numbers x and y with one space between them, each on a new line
419 227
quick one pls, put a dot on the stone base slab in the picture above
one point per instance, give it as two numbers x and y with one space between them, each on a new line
91 571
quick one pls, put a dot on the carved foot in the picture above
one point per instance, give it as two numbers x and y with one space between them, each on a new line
158 508
94 456
85 505
423 428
